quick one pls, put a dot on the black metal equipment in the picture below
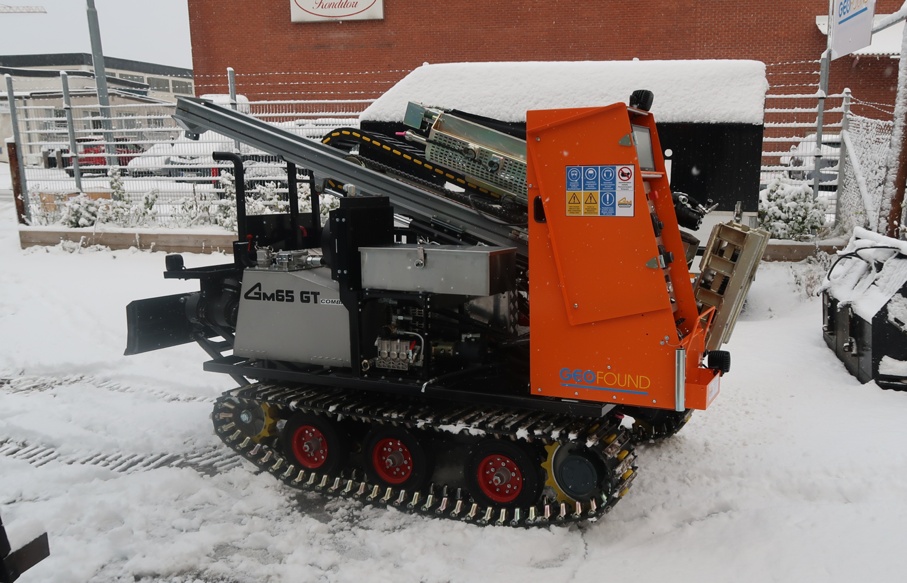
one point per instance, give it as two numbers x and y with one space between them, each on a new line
871 348
14 563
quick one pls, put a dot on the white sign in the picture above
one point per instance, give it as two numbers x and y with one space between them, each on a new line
322 10
851 27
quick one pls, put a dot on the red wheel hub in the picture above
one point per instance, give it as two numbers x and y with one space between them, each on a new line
310 447
392 460
500 478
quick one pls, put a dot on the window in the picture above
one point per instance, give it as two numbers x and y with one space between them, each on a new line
158 84
183 87
126 122
128 77
95 120
59 118
58 121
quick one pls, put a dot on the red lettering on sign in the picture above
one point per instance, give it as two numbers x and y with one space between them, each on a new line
320 7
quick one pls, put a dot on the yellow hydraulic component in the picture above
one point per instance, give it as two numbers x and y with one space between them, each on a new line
270 424
548 465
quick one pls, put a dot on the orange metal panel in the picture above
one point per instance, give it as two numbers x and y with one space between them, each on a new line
603 324
601 260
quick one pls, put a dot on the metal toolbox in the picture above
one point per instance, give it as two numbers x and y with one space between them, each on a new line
441 269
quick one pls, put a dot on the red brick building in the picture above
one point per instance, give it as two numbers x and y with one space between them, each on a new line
275 58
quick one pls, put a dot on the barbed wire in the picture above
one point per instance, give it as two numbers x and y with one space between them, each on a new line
301 83
373 93
791 63
877 106
794 73
333 73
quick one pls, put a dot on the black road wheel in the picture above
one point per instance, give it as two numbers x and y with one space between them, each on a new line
395 457
504 473
315 443
581 474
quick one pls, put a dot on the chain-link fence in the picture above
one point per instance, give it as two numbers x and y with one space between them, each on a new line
859 201
150 152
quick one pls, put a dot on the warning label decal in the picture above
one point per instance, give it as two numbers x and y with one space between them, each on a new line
601 191
590 203
574 204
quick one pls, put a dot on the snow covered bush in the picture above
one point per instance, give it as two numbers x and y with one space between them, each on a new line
194 210
124 213
39 213
265 200
787 210
80 211
83 211
225 212
118 189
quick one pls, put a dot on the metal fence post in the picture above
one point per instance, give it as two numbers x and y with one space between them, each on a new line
842 160
20 159
820 107
231 83
100 77
73 147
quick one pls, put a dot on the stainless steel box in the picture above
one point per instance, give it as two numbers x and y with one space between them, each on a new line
441 269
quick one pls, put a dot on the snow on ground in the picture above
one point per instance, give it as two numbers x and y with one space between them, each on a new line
705 91
6 179
796 473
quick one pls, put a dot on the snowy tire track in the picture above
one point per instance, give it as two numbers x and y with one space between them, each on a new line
27 384
205 460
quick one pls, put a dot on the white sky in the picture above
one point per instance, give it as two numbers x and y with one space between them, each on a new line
141 30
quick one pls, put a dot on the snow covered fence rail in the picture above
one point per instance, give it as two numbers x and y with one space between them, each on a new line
157 165
789 147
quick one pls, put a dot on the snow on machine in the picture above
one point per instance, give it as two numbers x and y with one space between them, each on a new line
386 356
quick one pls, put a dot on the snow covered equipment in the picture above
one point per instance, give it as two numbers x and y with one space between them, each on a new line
14 563
389 350
864 309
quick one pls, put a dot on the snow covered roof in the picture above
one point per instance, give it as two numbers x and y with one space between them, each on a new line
708 91
885 42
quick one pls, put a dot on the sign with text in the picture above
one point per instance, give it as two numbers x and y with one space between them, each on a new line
322 10
851 26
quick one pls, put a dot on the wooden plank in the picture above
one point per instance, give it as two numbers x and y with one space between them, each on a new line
166 242
794 251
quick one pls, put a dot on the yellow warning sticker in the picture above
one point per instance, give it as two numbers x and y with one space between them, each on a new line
574 204
590 204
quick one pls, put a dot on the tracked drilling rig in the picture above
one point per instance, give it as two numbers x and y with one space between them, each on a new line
386 356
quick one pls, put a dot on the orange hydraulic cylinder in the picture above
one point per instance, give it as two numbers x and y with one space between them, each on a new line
607 316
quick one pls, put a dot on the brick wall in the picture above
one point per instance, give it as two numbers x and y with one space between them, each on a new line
258 40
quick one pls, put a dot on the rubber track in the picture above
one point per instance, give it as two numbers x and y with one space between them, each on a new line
438 501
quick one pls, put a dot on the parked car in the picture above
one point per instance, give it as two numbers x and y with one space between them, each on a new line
802 160
93 156
192 161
